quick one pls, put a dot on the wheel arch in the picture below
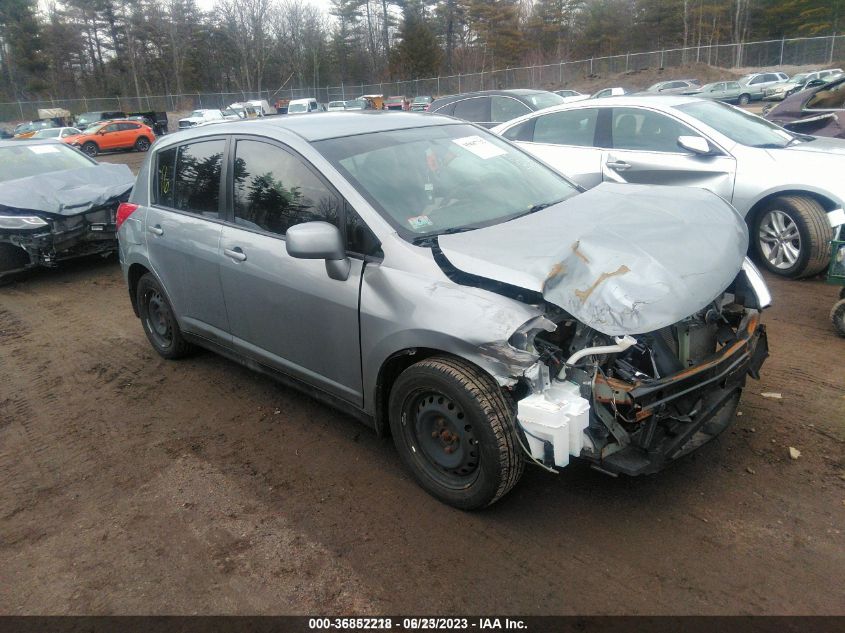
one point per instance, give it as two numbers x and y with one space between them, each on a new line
827 202
399 361
133 275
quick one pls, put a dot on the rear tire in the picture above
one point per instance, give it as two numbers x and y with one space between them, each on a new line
837 317
744 99
158 320
791 236
456 432
91 149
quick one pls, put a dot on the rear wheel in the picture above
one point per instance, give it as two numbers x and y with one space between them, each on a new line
837 317
158 320
744 99
90 148
456 432
791 236
142 144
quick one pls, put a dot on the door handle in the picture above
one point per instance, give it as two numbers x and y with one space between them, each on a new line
618 165
235 253
156 230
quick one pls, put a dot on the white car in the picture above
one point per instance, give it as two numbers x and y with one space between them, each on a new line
57 132
303 106
788 186
201 117
336 106
570 96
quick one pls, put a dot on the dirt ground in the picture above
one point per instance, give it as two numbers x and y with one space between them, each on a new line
134 485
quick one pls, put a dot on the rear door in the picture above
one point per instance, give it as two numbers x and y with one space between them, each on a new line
475 110
284 312
183 227
644 149
566 140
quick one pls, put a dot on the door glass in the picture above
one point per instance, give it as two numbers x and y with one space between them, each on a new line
273 190
831 98
504 109
475 109
113 127
197 182
572 127
646 131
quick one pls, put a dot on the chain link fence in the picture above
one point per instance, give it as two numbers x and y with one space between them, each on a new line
802 51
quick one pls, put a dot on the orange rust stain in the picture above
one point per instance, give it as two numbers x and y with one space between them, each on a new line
579 253
583 294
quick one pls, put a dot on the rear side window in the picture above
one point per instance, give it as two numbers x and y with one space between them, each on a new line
274 190
505 108
165 167
197 178
476 109
572 127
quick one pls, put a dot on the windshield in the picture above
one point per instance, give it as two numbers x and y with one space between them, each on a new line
738 125
357 104
542 100
440 179
337 104
800 78
52 133
198 114
422 99
31 160
88 118
297 107
93 129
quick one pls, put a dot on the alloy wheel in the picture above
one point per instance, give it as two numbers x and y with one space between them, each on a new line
780 241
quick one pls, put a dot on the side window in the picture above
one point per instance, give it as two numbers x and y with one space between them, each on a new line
757 80
113 127
359 238
473 109
647 131
163 188
273 190
522 132
504 109
570 127
197 183
772 77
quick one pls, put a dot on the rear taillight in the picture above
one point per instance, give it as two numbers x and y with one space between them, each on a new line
124 211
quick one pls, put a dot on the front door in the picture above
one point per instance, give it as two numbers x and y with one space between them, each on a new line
284 312
644 149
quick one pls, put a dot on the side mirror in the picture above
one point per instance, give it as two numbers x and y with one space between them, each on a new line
319 240
695 144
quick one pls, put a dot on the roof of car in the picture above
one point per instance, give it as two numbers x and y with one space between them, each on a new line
519 92
631 100
17 142
319 126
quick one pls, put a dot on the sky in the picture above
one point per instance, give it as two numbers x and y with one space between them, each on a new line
323 5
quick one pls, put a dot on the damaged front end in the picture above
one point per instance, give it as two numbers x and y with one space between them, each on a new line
651 320
28 241
631 404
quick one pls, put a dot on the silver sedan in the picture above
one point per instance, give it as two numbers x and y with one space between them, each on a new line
787 186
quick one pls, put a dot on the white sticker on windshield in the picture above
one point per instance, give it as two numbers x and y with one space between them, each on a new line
44 149
419 222
479 146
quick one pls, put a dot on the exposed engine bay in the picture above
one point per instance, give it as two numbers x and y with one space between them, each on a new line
631 404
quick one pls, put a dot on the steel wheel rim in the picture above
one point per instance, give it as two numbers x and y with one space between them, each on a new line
158 319
780 240
442 438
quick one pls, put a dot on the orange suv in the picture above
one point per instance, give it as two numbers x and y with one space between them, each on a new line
111 135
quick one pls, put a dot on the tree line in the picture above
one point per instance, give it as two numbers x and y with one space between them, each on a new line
73 48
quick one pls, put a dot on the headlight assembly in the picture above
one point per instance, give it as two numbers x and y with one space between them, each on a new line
21 222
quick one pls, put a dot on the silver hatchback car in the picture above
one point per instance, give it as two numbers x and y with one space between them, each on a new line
440 284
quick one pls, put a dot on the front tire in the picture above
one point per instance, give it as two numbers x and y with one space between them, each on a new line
158 320
456 432
91 149
142 144
791 236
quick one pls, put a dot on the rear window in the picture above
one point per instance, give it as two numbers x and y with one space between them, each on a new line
30 160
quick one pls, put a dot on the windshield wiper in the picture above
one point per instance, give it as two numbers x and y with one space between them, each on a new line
428 240
537 207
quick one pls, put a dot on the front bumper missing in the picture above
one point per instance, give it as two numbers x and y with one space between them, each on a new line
676 414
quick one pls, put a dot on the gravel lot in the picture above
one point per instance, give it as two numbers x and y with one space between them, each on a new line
137 485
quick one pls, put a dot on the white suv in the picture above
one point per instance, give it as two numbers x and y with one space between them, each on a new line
754 85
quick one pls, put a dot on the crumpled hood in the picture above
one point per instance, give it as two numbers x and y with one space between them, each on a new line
68 192
817 145
623 259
